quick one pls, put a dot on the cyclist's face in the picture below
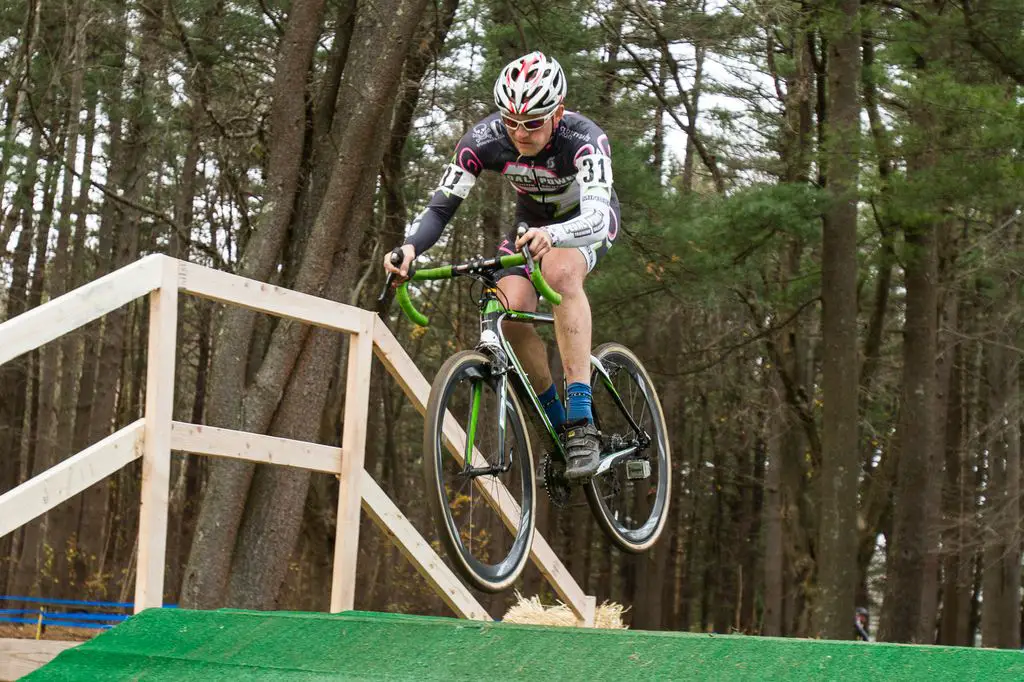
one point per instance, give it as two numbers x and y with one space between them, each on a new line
531 142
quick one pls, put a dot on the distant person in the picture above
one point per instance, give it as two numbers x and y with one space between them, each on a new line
861 624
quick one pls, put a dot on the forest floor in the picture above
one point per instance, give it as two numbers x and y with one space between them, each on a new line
28 631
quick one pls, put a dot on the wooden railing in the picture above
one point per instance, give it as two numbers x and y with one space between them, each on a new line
155 435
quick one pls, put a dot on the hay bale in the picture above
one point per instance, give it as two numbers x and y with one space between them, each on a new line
532 612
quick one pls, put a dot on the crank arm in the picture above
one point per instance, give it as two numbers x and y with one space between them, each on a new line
608 461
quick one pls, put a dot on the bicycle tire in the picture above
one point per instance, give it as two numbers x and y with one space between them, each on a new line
479 571
630 533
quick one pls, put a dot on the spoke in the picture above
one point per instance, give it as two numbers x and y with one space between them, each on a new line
632 393
643 413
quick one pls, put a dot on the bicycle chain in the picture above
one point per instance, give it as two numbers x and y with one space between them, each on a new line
559 487
555 481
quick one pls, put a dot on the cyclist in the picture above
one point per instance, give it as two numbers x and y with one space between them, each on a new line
559 162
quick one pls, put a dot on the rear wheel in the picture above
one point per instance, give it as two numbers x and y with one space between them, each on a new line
488 547
630 500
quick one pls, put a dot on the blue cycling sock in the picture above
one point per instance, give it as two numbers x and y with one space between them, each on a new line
553 406
578 397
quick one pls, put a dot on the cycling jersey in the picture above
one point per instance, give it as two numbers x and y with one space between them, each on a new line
566 188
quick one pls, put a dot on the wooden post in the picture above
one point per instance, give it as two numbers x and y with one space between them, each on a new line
156 453
353 451
589 611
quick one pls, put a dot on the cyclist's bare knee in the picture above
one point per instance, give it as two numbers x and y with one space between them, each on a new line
565 270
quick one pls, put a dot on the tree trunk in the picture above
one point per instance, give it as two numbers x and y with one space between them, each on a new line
55 369
958 512
14 375
381 51
206 574
74 344
927 627
911 531
774 551
17 89
273 514
1000 618
837 539
692 113
35 568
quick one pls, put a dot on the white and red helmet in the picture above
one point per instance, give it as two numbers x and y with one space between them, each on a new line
530 85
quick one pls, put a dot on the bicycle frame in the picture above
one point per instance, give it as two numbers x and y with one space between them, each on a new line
505 361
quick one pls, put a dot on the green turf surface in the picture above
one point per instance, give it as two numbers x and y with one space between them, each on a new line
176 644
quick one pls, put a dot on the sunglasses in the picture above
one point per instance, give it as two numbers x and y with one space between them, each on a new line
530 124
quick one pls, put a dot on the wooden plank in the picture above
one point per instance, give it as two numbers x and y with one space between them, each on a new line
255 447
398 363
66 313
390 519
590 612
156 454
401 366
267 298
65 480
353 444
19 657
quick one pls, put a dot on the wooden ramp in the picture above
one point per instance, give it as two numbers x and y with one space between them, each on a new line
177 644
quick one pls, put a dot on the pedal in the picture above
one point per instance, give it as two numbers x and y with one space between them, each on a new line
638 469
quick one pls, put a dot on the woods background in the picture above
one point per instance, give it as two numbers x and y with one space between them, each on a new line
820 264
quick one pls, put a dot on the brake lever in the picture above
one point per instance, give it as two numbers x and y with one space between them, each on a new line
396 259
520 231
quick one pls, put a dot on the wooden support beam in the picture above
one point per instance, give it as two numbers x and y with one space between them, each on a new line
254 447
267 298
66 313
42 493
156 454
353 445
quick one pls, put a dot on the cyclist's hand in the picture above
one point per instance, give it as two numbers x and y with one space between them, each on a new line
538 239
402 269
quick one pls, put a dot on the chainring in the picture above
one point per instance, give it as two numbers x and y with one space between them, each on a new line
555 481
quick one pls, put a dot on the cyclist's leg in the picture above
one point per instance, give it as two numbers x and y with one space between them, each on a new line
517 293
565 270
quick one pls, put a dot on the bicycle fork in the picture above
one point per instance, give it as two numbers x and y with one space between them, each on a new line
491 346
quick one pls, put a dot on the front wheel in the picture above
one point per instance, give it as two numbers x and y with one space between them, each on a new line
485 513
631 499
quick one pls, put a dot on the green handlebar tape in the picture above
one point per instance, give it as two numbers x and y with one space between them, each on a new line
444 272
513 261
402 294
542 286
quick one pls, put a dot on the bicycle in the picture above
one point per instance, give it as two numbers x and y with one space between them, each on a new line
629 494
